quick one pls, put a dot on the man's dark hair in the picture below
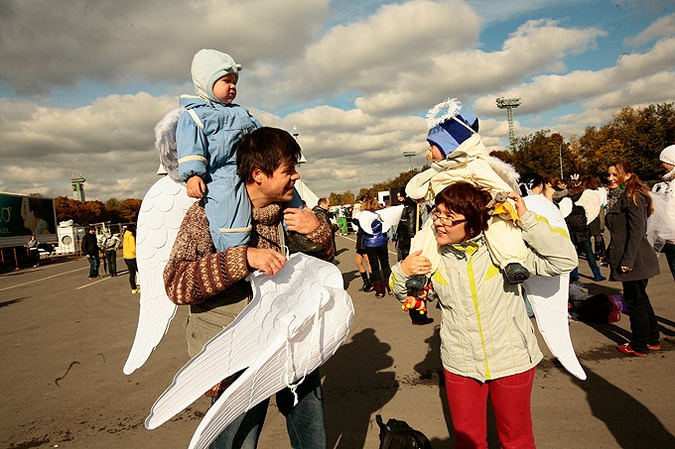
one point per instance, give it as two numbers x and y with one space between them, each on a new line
267 149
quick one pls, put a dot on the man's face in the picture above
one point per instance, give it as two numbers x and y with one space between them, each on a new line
278 188
667 167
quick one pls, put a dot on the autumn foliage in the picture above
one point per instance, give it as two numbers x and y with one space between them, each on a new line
88 212
636 135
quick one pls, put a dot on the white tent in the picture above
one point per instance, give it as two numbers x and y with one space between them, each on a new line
306 193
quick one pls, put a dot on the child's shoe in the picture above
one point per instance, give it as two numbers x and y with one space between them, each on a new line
516 273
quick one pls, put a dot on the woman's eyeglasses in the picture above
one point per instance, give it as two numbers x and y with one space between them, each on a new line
446 221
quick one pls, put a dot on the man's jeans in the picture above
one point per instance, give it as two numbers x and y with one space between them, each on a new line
304 422
94 262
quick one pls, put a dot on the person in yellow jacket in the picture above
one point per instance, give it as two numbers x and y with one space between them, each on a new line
129 254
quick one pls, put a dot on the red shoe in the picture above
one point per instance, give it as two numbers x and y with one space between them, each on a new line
654 347
628 350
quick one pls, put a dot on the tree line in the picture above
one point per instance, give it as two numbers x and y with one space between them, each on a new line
634 134
89 212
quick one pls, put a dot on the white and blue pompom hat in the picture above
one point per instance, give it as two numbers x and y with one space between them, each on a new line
447 128
208 66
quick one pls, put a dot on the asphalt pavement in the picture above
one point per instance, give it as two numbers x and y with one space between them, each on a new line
64 340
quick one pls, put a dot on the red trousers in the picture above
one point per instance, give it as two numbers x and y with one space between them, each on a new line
510 398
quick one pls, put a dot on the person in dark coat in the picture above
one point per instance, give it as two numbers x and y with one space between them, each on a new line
89 247
632 260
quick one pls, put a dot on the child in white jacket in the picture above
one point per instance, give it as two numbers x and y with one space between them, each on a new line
458 154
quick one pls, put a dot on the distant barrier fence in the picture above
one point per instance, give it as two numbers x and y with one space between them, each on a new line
14 255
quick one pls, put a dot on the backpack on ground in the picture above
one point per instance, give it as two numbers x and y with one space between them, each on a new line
600 308
397 434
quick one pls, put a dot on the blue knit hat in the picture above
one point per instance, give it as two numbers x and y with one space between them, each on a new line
448 131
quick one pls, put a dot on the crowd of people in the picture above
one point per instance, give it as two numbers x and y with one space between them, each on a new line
101 249
465 236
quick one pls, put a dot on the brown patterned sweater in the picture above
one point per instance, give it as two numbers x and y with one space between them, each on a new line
195 271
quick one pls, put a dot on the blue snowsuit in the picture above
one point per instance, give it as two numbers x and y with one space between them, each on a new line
211 154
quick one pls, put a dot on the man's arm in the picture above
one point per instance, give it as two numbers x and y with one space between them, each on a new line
195 271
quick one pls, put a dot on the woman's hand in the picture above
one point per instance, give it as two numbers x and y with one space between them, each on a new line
266 260
519 203
416 263
625 269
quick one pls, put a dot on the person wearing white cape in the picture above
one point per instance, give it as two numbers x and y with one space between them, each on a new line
213 283
488 344
661 225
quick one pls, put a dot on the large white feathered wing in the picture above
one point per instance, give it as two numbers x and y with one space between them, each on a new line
161 214
391 215
296 321
549 296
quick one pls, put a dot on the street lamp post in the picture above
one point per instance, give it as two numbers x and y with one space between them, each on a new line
562 177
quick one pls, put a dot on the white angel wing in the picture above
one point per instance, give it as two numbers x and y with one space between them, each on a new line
295 323
161 213
549 296
367 217
661 224
165 141
391 215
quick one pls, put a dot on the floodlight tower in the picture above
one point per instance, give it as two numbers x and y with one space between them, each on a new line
78 187
409 155
509 104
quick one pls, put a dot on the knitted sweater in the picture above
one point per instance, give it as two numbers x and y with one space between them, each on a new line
195 271
212 283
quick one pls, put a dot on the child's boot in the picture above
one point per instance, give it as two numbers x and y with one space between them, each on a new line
516 273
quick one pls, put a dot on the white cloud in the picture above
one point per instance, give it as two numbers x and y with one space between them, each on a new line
663 27
356 91
54 44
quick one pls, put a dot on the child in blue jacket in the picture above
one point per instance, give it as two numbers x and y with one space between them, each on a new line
206 140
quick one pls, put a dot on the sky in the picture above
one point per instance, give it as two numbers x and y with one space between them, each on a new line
83 83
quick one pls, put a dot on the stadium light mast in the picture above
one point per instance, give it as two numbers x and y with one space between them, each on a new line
409 155
509 104
78 187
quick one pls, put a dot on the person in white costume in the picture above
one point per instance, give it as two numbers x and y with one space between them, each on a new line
664 196
458 154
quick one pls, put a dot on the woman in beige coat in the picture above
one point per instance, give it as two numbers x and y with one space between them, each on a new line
488 344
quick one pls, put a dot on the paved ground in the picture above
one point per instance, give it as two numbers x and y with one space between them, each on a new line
64 340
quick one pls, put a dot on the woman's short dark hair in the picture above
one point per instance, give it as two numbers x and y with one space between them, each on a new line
267 149
467 199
